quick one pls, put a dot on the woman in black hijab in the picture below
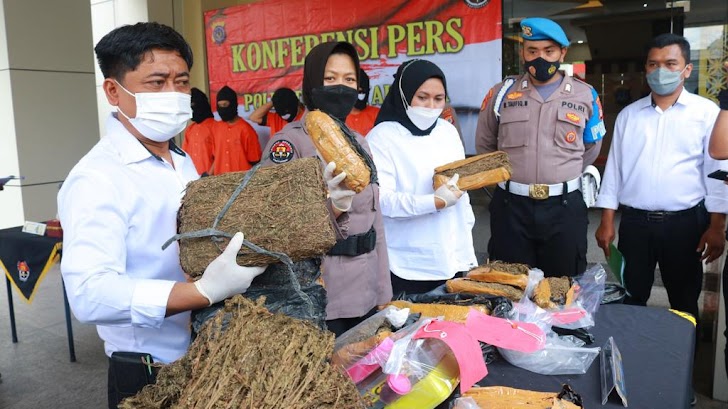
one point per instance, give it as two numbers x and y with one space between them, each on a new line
429 232
356 270
198 136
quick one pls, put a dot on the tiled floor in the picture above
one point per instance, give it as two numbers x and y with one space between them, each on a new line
37 374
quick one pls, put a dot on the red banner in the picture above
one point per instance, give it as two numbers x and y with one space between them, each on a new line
259 47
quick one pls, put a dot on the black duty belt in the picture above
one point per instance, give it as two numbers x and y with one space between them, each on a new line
660 215
355 245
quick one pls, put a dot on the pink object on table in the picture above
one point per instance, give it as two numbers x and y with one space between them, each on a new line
567 316
371 361
463 345
504 333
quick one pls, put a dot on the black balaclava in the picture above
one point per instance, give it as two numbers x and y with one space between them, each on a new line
416 72
335 100
231 111
200 106
285 103
361 101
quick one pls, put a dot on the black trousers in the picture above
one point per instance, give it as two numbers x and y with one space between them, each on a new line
126 380
725 301
669 242
341 325
547 234
400 285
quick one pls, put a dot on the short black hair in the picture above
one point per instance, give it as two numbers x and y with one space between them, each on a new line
667 39
122 50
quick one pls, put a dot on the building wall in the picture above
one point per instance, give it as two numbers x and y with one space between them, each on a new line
47 104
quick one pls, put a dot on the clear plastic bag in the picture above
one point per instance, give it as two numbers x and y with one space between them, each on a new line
589 291
359 344
396 371
560 356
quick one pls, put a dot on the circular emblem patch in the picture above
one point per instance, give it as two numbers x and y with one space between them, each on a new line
571 137
476 4
218 32
281 152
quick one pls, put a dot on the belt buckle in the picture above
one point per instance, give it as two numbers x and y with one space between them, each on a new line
538 191
656 216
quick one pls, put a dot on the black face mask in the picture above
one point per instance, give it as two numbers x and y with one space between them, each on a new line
545 70
361 103
228 113
335 100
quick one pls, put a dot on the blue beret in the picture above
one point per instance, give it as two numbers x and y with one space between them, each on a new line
538 28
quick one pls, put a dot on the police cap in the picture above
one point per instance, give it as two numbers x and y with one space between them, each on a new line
538 28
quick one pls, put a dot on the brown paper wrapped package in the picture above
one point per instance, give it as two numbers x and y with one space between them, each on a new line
515 275
501 397
475 172
333 146
456 313
464 285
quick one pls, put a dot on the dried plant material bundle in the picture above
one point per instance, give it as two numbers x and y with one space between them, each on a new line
512 274
502 397
464 285
261 361
281 209
450 312
333 146
475 172
554 292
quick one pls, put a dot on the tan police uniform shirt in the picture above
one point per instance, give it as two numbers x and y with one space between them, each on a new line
354 285
543 139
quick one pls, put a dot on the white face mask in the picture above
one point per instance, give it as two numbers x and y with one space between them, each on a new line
422 117
160 115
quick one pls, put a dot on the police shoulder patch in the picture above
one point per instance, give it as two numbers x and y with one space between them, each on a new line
281 152
487 99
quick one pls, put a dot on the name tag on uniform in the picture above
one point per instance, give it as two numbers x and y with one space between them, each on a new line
34 228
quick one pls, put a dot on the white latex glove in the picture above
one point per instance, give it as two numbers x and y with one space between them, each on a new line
224 278
449 191
341 197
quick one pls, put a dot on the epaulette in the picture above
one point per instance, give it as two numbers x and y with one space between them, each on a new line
577 79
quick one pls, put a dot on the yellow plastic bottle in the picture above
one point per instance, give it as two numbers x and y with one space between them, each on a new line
434 388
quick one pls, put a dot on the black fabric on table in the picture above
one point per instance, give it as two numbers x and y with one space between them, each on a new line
657 351
36 251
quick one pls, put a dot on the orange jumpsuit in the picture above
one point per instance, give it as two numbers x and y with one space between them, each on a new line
198 144
235 147
276 123
363 122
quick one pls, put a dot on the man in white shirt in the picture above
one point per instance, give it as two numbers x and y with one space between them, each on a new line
673 214
719 150
119 205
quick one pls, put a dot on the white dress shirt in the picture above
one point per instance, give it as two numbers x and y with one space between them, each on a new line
118 206
423 243
659 159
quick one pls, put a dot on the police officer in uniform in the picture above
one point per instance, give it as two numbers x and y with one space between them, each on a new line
551 127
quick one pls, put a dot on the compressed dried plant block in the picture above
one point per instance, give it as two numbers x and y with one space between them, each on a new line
475 172
281 209
333 146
